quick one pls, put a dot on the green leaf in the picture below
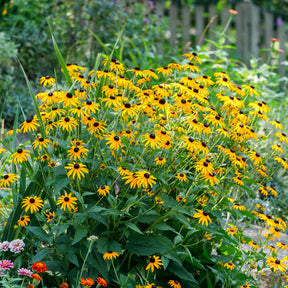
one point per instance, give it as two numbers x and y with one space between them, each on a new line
72 258
104 245
133 227
181 272
79 235
145 245
38 231
41 255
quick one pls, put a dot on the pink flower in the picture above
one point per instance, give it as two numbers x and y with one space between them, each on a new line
25 272
4 246
16 246
6 265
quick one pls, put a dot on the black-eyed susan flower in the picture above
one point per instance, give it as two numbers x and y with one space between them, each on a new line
282 245
203 216
109 90
103 190
180 198
123 171
158 200
250 89
276 124
20 156
253 244
150 73
50 216
232 231
182 177
77 152
246 285
151 140
271 248
202 200
238 207
114 141
174 283
67 123
110 255
90 107
7 179
282 161
211 178
145 179
131 178
32 203
160 161
67 201
165 70
40 143
69 100
275 264
154 262
275 232
229 265
112 100
76 170
23 221
193 57
52 164
46 80
30 125
255 158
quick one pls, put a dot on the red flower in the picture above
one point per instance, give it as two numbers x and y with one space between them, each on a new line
36 276
101 281
87 283
39 267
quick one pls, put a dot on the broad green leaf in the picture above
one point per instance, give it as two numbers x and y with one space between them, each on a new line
79 235
38 231
133 227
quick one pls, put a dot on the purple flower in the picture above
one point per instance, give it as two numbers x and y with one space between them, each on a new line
16 246
151 3
25 272
4 246
145 20
279 21
6 265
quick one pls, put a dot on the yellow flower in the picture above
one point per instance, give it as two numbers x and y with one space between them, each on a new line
229 265
154 262
8 179
76 169
50 216
203 217
276 264
20 156
47 80
174 284
110 255
181 177
103 190
32 203
23 221
67 201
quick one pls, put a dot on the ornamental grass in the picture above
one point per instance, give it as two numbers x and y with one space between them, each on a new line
141 178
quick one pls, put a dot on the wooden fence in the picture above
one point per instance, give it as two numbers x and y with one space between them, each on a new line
252 27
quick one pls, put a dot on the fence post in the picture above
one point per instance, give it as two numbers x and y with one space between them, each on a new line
268 32
243 25
212 9
173 16
160 12
186 25
199 12
255 32
281 35
225 15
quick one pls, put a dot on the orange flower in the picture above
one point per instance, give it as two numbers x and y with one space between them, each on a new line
87 283
233 12
30 286
101 281
64 285
36 276
39 267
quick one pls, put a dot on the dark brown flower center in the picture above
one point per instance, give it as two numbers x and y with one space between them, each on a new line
32 200
66 199
76 166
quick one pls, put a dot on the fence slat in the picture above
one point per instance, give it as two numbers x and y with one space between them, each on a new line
268 32
186 25
255 32
282 36
199 11
212 9
160 12
225 15
173 23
